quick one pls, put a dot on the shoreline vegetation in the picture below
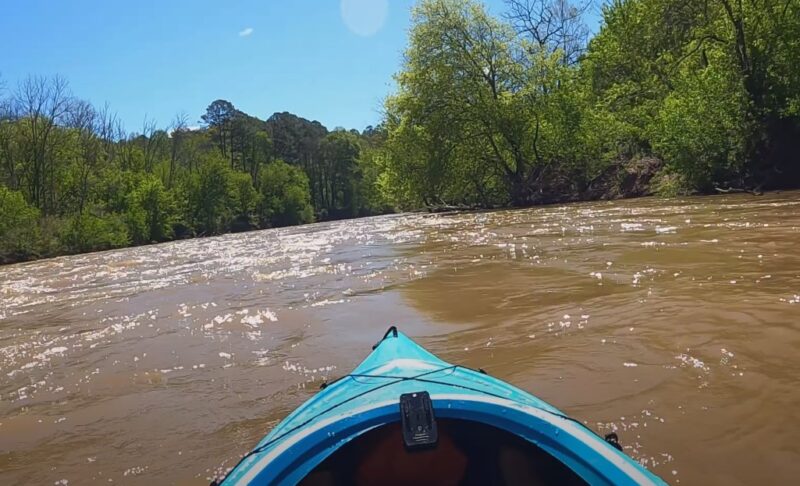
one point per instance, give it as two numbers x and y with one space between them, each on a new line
669 97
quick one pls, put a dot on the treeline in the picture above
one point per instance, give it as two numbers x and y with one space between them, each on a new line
72 180
696 95
670 96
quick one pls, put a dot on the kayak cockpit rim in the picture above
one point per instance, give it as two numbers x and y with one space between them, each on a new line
588 455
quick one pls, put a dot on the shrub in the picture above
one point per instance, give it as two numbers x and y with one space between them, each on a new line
87 232
18 226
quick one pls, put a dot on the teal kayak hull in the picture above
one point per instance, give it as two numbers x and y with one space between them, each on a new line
368 398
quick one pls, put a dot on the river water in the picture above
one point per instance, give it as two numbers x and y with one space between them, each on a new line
674 322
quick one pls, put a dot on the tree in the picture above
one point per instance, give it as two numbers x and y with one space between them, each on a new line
42 104
334 183
251 146
177 136
89 185
244 199
219 117
91 138
552 25
656 66
153 142
295 139
151 212
369 197
18 225
10 146
479 113
209 198
285 196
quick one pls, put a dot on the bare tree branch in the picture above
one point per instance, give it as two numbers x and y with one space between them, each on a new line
43 104
552 25
178 129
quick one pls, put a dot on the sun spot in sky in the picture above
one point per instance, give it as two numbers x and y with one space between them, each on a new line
364 17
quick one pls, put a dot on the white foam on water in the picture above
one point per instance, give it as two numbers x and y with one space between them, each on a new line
687 360
325 302
631 227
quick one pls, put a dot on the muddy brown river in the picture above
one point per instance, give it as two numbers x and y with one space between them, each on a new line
674 322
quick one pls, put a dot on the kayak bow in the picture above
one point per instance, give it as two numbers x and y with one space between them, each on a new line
476 429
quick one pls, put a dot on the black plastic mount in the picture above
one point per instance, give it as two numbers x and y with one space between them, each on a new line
391 331
418 421
613 439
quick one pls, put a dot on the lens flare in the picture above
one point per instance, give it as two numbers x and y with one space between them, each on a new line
364 17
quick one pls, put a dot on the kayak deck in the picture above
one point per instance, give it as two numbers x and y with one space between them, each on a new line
329 438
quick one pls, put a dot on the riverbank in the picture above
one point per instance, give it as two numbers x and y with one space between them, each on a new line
624 181
640 177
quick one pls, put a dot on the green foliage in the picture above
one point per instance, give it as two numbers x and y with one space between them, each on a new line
700 129
18 224
244 196
151 212
336 180
295 139
285 196
87 232
481 115
668 183
368 194
485 115
209 197
75 182
711 87
48 242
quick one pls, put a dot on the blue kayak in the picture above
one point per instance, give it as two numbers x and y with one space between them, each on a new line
405 416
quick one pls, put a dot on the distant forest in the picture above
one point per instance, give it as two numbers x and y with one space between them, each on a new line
669 97
73 180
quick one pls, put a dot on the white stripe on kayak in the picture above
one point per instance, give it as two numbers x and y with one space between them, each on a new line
412 366
576 430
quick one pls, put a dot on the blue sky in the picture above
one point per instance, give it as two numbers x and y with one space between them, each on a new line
328 60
